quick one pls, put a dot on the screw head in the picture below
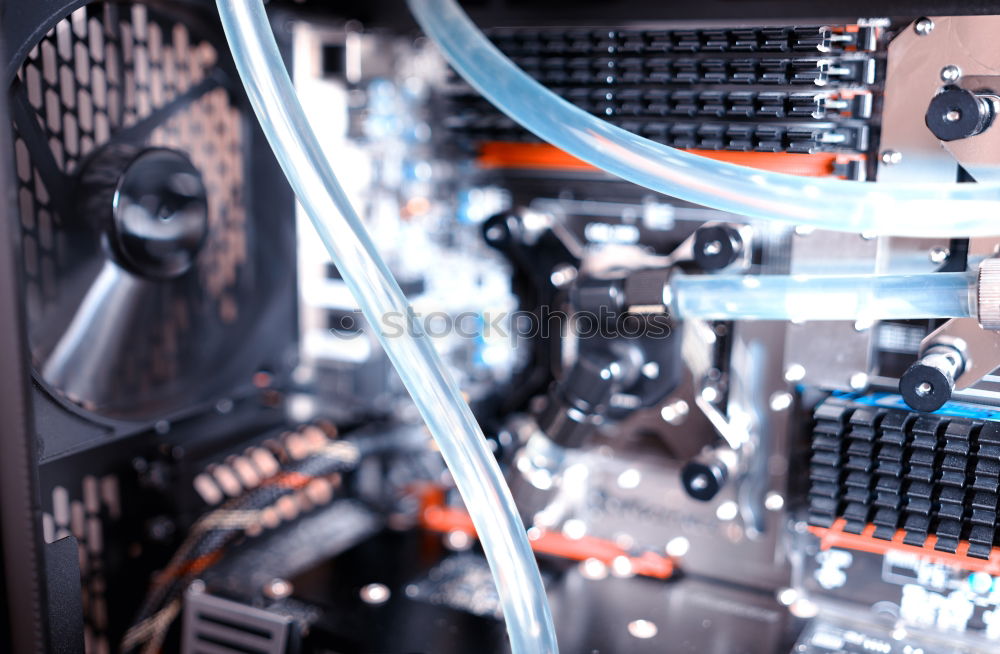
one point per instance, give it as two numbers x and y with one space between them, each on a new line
678 546
277 589
781 401
375 594
795 372
675 412
774 501
643 629
892 157
923 26
562 275
950 73
938 254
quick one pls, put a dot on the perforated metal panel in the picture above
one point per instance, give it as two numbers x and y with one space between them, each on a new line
85 511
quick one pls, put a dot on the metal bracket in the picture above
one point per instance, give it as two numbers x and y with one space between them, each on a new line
611 260
220 625
958 50
736 433
978 344
980 347
963 351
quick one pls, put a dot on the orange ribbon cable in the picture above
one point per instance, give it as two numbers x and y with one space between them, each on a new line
835 536
496 155
553 543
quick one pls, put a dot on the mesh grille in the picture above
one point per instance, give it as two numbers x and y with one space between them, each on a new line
85 513
112 72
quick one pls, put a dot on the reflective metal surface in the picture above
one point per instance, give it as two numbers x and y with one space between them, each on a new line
958 50
160 214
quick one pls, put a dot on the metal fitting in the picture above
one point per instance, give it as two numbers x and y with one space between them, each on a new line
928 384
988 294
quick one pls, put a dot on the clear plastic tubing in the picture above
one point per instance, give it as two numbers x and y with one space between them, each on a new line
522 595
823 297
902 209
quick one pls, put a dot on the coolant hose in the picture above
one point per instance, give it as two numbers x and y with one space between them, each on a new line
823 297
908 209
487 498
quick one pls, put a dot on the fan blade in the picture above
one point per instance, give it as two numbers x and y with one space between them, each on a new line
84 359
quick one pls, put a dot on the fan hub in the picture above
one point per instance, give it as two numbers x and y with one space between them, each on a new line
159 214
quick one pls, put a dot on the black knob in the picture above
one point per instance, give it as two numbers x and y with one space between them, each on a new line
579 399
956 113
716 247
644 288
598 297
704 477
928 384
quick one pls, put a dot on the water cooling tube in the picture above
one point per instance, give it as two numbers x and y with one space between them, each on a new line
862 298
924 210
522 595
